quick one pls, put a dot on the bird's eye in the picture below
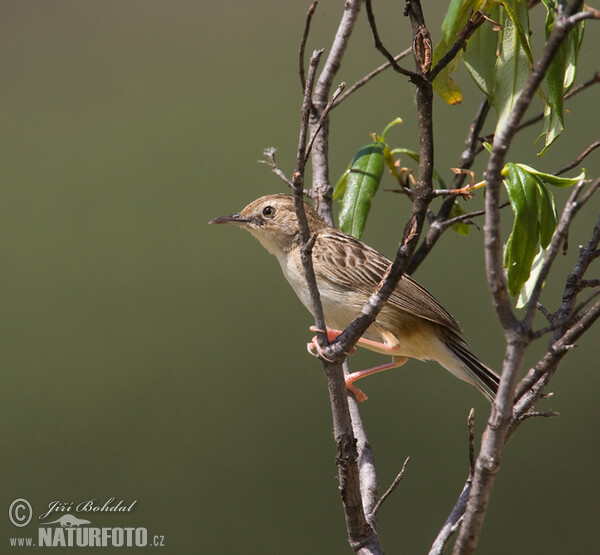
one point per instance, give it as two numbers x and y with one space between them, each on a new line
268 211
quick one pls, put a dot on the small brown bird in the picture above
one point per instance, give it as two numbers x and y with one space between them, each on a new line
412 324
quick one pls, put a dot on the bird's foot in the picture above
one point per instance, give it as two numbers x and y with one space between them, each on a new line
315 349
331 336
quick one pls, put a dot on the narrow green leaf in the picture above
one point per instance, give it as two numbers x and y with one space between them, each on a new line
548 215
559 77
553 179
518 12
415 156
512 65
522 244
340 186
456 17
362 182
460 227
480 55
527 289
443 84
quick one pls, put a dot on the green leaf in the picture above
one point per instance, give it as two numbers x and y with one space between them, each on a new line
457 15
518 12
460 227
443 84
527 289
559 77
522 244
480 55
553 179
548 216
513 62
361 184
415 156
340 186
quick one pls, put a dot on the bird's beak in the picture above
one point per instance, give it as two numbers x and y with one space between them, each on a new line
233 219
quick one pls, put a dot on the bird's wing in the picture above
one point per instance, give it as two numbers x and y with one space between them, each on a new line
354 265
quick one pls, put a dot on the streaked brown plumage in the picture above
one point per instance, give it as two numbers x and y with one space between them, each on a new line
411 324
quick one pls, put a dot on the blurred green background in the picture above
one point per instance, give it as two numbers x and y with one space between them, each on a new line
150 357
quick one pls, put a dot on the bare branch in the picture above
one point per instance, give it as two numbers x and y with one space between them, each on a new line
321 190
322 118
309 15
472 24
537 414
466 161
453 521
370 76
379 45
269 154
360 533
579 159
391 489
471 427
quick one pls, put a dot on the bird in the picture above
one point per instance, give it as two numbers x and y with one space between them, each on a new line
411 324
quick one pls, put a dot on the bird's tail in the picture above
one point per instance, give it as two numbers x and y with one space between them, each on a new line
482 377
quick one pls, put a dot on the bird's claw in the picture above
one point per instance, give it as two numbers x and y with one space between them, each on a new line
315 349
332 335
358 394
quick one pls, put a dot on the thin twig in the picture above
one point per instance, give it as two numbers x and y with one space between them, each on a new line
453 521
370 76
309 16
537 414
466 218
472 24
575 90
579 159
322 118
269 154
471 428
390 490
379 45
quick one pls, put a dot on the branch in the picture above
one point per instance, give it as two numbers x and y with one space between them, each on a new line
467 158
269 154
379 45
472 24
564 318
579 159
489 458
391 489
321 189
359 531
370 76
322 118
421 199
576 90
309 15
457 513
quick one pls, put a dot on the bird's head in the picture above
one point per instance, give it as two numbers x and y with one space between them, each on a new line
272 220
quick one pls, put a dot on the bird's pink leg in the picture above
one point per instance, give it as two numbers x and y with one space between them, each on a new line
334 334
351 378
